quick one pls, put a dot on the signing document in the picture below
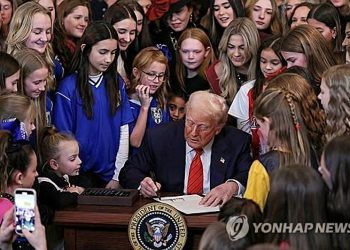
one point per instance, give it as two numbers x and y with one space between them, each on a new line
188 204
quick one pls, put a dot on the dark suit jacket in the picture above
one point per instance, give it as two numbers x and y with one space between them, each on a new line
163 151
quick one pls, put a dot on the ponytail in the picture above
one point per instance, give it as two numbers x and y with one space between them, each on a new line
14 155
49 142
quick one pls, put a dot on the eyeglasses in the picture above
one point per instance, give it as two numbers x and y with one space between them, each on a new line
152 76
200 127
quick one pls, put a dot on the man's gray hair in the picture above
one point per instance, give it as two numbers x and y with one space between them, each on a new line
209 104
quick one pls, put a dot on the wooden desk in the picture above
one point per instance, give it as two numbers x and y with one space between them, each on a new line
106 227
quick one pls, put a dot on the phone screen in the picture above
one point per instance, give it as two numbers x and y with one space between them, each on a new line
25 201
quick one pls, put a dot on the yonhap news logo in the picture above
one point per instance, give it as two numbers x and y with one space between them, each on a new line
291 228
238 227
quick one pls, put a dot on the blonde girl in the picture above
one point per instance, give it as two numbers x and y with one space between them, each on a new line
31 28
60 184
237 60
147 94
17 109
34 75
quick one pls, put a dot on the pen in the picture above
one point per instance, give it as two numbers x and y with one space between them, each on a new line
153 177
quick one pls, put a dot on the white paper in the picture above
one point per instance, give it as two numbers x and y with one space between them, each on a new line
188 204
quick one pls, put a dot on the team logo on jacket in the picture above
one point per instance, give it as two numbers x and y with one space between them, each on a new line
157 226
157 114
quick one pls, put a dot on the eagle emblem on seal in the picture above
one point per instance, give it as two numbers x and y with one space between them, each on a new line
157 232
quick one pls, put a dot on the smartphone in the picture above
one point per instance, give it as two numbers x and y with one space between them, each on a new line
25 202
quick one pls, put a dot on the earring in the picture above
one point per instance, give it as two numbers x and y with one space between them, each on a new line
191 18
334 33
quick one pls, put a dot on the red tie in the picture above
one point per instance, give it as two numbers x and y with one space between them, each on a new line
195 177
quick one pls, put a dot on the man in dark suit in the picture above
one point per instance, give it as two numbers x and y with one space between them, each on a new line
168 151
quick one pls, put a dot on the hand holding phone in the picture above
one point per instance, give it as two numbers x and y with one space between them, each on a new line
37 238
7 230
25 202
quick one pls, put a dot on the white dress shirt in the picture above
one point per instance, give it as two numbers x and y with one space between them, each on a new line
206 160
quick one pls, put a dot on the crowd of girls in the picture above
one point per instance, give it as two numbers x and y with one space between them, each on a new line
80 86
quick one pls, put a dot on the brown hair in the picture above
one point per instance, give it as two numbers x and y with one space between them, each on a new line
313 116
308 41
13 156
287 128
275 24
337 79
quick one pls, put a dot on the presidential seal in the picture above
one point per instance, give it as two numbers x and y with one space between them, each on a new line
157 226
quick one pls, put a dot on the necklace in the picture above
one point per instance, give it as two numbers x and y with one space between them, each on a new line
240 78
7 196
173 40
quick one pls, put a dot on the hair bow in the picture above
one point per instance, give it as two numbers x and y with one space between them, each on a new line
16 127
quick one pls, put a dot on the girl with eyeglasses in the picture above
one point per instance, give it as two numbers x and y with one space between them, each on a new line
147 93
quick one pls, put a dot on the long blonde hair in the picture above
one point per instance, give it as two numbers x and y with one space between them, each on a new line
30 61
227 80
20 29
15 105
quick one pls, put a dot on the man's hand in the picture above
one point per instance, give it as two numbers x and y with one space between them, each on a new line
113 184
220 194
149 188
7 230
